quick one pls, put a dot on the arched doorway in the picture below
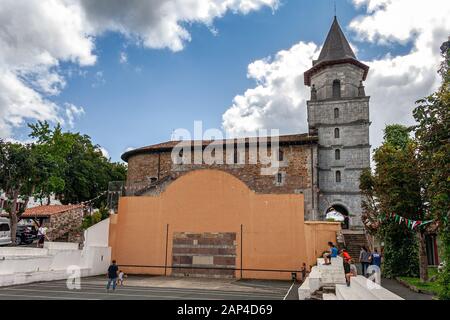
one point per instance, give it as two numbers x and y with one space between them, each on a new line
342 210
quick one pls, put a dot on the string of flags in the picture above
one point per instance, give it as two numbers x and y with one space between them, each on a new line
92 200
411 224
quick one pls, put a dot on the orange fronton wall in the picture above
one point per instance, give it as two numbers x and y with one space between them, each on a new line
274 237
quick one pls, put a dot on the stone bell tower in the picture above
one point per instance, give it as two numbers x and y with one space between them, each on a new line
338 113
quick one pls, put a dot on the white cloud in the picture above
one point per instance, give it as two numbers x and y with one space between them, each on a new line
161 23
394 82
23 142
104 152
278 100
72 112
36 36
99 80
19 102
123 57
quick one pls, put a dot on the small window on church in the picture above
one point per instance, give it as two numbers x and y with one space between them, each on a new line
279 178
336 113
337 154
235 160
337 133
280 155
153 180
338 177
336 89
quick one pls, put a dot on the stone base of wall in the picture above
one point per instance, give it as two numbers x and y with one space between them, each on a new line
205 255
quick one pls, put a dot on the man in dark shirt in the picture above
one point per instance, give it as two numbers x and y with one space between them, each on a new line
112 275
376 259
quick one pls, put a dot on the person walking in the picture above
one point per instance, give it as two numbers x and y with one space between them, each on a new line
365 258
376 258
112 276
122 275
42 235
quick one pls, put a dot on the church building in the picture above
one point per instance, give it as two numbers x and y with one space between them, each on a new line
338 113
324 164
232 218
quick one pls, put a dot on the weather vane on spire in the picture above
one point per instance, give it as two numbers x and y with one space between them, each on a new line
335 8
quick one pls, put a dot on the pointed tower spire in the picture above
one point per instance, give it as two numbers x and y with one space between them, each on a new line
336 46
336 50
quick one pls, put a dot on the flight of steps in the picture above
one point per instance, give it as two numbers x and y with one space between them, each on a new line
324 293
354 240
363 289
331 274
322 278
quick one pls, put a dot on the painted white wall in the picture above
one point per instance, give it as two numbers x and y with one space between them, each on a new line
21 252
26 265
61 259
97 259
61 245
98 234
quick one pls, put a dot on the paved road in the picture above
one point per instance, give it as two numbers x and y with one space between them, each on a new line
92 290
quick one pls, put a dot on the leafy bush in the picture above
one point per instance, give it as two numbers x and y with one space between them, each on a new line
400 252
100 215
444 276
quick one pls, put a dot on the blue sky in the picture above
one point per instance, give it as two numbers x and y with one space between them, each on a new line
142 101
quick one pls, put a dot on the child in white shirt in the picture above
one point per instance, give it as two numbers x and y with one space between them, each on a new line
121 278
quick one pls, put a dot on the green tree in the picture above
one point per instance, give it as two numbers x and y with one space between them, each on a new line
18 175
49 149
73 167
394 187
65 164
433 137
96 217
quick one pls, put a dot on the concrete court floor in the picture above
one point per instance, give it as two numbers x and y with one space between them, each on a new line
153 288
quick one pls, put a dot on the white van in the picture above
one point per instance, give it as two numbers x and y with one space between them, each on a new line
5 232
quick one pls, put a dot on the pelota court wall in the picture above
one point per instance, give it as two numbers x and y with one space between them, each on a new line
214 203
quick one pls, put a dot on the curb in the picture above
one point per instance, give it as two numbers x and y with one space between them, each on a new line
414 288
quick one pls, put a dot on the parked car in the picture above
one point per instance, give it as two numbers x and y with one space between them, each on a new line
5 232
26 234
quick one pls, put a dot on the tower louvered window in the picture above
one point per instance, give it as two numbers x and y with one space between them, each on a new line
336 89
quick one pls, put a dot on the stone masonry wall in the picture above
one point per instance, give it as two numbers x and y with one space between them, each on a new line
66 225
215 252
349 117
297 169
348 74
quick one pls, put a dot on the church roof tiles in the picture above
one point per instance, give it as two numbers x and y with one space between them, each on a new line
336 46
169 145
